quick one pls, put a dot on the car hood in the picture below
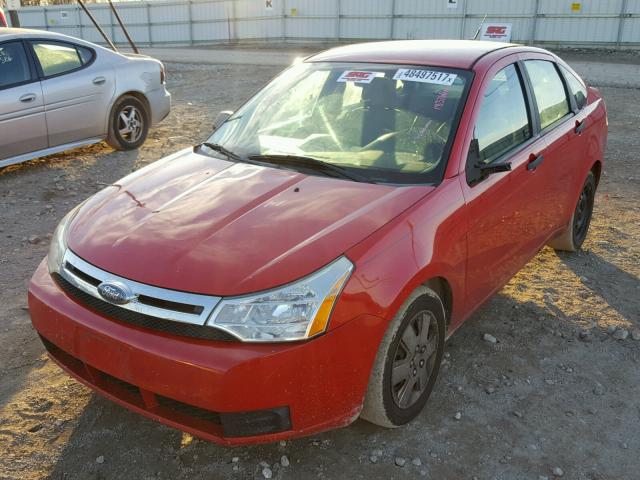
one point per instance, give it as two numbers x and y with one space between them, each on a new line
206 225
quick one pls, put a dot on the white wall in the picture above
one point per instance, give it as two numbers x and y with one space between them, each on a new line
549 22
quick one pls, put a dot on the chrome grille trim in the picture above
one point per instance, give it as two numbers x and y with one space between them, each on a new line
204 303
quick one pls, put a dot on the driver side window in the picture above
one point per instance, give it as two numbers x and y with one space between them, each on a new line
503 122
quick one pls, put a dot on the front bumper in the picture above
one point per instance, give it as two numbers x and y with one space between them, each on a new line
220 391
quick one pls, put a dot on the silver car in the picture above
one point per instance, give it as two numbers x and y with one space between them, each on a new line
58 92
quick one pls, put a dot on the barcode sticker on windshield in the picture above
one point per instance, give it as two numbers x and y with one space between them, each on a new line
359 76
425 76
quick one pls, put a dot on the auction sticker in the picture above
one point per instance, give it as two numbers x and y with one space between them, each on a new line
425 76
358 76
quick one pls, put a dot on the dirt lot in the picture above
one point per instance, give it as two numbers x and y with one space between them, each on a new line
557 390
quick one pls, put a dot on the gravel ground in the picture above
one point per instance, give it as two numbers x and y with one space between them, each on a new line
556 395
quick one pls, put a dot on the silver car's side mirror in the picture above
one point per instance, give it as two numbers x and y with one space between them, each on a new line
221 118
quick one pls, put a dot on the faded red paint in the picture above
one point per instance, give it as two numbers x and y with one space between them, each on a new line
475 238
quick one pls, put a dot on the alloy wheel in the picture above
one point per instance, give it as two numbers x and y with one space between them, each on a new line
130 124
414 359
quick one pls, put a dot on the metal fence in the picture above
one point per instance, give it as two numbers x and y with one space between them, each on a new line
612 23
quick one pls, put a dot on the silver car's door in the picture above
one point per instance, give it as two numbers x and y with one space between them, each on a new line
23 127
78 87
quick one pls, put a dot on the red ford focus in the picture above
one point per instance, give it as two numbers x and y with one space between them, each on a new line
304 266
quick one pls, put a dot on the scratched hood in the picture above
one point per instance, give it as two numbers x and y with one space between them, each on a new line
205 225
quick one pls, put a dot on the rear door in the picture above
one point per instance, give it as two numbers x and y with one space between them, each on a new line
504 209
560 130
22 117
78 88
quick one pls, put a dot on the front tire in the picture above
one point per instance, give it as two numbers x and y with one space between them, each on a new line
408 361
572 238
128 123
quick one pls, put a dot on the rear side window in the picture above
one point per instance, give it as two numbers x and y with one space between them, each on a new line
57 58
14 67
86 55
576 88
503 121
549 91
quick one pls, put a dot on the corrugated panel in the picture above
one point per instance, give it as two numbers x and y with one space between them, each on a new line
631 30
170 33
300 27
500 7
577 30
102 15
365 28
586 7
271 28
32 18
211 11
132 14
424 28
366 7
169 13
216 32
311 7
596 21
140 34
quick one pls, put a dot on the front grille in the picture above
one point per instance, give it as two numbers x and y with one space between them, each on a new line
147 306
115 312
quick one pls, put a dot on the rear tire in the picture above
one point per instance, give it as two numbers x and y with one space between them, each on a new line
572 238
128 123
408 360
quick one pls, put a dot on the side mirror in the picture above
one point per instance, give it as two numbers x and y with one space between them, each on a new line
477 170
473 161
222 117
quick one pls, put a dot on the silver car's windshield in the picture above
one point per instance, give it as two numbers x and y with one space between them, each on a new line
388 122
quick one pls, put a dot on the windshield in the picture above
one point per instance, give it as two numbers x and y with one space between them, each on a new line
389 123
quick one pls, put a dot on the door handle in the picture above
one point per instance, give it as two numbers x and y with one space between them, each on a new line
28 97
99 80
580 126
534 161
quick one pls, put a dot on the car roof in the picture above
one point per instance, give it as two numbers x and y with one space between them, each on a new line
12 33
442 53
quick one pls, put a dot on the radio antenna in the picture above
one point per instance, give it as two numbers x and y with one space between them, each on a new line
475 37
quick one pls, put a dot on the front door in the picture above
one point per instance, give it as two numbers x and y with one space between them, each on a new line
504 220
23 127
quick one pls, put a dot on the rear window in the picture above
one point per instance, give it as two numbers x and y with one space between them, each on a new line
14 67
548 90
576 88
57 58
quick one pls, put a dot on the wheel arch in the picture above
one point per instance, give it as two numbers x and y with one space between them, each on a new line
137 94
596 168
442 287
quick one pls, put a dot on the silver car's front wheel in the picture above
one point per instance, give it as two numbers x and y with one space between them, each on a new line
128 124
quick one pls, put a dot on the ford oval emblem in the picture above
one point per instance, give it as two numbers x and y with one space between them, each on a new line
116 292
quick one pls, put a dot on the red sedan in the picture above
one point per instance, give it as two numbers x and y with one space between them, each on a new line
304 266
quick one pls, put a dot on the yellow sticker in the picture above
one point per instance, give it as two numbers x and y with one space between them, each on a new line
294 12
576 7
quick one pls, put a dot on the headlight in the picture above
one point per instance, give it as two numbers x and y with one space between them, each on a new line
297 311
59 241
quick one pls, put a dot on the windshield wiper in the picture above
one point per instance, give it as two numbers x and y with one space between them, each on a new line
216 147
312 163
